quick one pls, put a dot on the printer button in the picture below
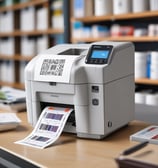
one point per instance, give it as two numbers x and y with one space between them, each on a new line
101 61
95 102
95 89
91 61
96 61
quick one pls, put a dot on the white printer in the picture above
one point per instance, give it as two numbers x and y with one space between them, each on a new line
96 80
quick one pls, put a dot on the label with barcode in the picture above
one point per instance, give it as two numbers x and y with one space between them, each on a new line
52 67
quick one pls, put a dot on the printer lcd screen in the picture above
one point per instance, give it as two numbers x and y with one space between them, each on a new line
99 54
103 54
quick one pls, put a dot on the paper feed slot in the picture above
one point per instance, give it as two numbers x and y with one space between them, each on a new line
72 51
70 126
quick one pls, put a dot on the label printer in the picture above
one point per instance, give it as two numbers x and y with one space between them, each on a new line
96 80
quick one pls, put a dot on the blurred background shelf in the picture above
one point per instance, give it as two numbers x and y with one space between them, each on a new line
27 28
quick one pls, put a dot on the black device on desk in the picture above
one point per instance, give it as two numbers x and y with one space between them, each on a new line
11 160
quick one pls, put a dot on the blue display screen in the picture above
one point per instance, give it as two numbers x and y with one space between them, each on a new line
101 54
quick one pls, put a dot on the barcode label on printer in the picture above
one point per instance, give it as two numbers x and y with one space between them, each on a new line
52 67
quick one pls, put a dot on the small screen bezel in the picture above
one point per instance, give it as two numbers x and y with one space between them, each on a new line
90 60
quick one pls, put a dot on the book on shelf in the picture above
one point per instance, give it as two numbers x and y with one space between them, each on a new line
149 134
7 46
28 46
27 19
83 8
57 17
7 71
42 43
21 73
42 18
103 7
7 21
153 5
57 39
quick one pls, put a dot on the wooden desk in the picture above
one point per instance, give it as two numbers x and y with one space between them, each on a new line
70 151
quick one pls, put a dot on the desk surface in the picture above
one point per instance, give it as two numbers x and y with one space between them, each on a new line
70 151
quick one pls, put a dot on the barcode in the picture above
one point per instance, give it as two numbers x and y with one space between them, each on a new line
52 67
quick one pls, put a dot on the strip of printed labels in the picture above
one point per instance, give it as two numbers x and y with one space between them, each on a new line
48 128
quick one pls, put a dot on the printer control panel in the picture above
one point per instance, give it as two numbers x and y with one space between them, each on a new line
98 54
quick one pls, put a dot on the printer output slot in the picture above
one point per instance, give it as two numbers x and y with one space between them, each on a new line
72 51
70 126
45 104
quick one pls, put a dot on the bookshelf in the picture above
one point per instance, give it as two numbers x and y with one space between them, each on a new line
123 38
17 33
34 34
127 16
146 81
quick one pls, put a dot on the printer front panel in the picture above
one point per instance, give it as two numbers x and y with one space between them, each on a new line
49 87
60 94
46 92
96 109
90 119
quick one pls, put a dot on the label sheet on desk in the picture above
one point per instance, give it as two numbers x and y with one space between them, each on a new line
48 128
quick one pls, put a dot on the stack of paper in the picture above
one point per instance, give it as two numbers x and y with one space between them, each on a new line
149 134
8 121
12 99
